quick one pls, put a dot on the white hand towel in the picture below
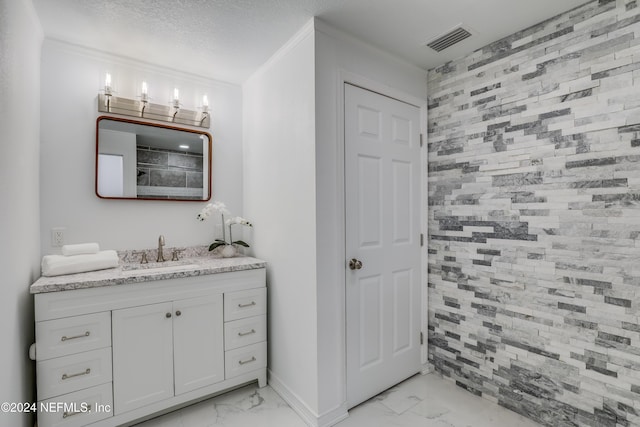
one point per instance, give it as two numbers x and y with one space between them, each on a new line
57 265
81 248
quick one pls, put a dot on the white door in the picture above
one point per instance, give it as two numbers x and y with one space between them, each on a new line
142 356
198 339
382 188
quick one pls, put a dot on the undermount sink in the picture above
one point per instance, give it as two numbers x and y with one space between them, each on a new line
158 267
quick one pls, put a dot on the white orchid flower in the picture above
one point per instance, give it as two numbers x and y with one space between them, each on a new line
238 220
221 208
211 208
243 221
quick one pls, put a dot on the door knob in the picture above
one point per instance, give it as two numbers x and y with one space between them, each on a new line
355 264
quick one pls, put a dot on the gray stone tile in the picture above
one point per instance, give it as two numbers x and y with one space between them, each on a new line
167 178
152 157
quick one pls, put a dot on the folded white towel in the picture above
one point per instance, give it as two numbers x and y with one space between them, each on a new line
56 265
81 248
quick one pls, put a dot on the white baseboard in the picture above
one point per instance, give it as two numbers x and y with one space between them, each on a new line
426 368
333 416
309 416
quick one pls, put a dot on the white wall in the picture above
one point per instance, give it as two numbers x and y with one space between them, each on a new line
279 199
293 193
20 43
71 79
338 57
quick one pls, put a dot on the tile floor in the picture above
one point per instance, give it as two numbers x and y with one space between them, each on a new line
420 401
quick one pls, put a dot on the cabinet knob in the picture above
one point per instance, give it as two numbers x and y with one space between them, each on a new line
178 313
168 315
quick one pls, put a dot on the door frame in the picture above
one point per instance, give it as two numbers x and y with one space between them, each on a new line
347 77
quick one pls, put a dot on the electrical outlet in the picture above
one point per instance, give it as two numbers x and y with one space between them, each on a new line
57 236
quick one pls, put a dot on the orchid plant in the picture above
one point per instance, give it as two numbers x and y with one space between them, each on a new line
221 208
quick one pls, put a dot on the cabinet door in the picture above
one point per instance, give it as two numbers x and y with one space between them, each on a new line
198 342
142 356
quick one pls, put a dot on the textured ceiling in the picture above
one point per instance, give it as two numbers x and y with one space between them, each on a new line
229 39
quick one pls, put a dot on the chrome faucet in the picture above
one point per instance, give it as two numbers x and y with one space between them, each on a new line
160 245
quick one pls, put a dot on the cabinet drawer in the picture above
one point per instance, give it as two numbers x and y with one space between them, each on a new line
77 409
75 372
245 359
69 335
239 333
238 305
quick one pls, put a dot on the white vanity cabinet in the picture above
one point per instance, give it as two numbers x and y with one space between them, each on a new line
127 352
74 369
166 349
245 331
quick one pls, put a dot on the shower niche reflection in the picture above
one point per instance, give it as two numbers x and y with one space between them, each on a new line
149 161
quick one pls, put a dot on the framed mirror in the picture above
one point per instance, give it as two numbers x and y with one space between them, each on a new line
149 161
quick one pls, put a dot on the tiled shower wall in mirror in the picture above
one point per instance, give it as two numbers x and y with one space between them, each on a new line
163 172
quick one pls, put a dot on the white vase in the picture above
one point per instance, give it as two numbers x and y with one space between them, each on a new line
228 251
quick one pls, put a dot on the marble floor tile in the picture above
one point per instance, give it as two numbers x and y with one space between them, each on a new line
248 406
405 395
420 401
430 410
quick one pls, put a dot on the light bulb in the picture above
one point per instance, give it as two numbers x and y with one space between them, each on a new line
205 104
176 98
107 84
145 92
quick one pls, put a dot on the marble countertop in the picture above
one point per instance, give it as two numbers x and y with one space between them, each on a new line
129 273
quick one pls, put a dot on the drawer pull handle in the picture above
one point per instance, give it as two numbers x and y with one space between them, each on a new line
70 414
67 376
247 305
66 338
244 362
242 334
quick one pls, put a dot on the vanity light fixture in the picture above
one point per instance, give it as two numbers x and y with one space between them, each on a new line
205 104
176 98
144 97
108 91
176 102
142 107
205 107
107 84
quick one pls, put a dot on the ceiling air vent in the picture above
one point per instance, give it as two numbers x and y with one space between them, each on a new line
444 41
